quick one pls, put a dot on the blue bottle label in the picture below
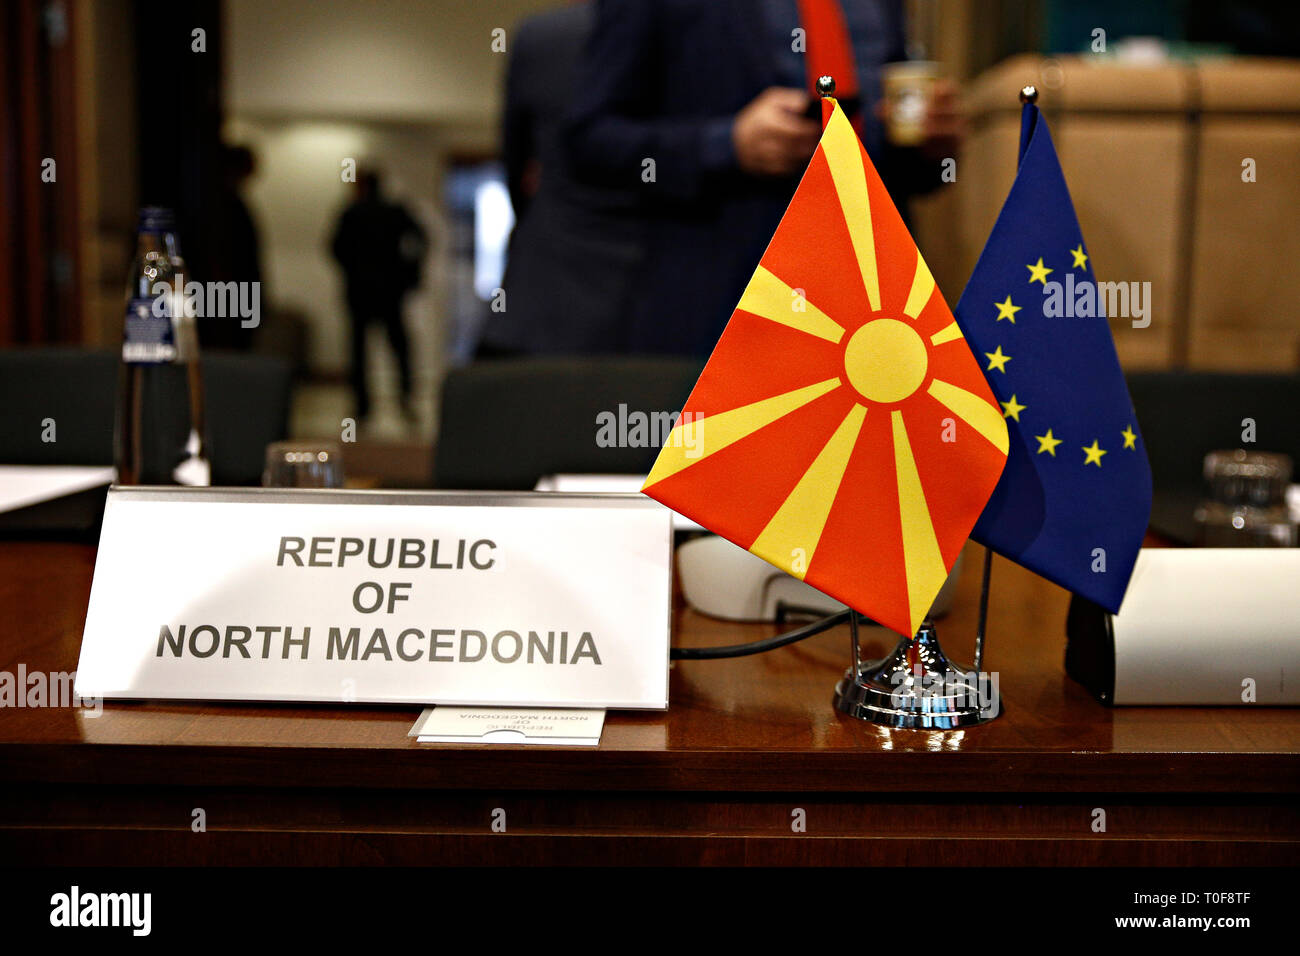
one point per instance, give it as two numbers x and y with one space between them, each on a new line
147 339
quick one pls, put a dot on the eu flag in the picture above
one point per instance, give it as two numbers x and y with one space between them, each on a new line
1074 499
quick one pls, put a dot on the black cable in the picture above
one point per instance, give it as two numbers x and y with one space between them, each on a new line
758 647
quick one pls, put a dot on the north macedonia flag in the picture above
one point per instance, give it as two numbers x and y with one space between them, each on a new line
841 430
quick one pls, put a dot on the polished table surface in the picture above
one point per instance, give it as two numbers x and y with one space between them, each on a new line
720 777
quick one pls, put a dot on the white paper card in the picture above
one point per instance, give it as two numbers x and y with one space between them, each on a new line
1210 626
23 485
610 483
390 597
510 725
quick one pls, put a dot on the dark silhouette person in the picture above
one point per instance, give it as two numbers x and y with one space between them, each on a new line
707 109
235 254
380 247
576 247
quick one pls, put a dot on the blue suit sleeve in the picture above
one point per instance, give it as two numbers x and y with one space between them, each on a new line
616 131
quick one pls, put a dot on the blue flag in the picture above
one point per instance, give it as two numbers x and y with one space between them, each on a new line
1074 499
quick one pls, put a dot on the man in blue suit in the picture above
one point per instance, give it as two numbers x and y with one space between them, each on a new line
575 249
706 107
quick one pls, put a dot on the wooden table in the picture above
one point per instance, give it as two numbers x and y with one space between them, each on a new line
717 779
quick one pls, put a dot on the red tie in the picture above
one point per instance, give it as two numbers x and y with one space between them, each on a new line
829 48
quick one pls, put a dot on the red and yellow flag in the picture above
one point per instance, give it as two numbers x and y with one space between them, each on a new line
841 430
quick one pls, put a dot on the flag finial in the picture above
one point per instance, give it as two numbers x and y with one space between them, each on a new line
1029 94
826 85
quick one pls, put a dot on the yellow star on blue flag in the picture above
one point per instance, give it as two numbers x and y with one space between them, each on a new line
1054 506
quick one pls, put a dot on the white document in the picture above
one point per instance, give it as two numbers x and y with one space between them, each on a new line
609 483
23 485
551 727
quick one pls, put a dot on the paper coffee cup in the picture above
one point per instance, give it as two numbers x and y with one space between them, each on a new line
908 87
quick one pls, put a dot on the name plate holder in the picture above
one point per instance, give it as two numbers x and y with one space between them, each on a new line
393 597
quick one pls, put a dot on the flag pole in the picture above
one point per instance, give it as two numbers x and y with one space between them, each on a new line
826 89
915 686
1029 97
984 610
1028 119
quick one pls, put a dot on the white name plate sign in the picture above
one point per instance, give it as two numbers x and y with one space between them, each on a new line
530 599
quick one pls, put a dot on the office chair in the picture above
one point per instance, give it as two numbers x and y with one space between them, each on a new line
506 423
247 400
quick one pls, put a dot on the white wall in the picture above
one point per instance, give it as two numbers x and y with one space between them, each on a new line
397 85
395 59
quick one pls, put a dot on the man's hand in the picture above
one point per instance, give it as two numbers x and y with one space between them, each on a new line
773 135
945 127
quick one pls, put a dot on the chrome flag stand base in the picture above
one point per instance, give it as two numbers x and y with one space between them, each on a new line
916 686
